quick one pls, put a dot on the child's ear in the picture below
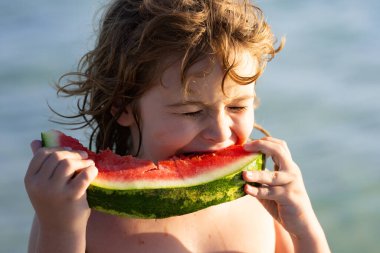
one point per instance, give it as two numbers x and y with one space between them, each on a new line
126 118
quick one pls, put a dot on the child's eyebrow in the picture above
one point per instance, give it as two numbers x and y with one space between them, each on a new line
245 97
185 102
200 103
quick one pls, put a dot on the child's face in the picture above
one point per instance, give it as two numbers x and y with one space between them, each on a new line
204 120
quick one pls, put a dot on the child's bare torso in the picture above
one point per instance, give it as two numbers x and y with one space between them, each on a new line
239 226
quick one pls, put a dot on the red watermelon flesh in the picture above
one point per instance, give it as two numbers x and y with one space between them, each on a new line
128 172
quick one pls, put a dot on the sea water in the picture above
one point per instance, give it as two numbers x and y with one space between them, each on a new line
321 94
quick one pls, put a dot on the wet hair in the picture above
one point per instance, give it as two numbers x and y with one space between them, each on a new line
136 36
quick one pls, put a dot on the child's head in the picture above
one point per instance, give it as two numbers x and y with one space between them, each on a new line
139 40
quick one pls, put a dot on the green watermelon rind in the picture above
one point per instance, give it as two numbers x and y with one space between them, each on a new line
49 139
167 202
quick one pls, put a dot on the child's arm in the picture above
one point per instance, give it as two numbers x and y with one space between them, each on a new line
56 182
284 195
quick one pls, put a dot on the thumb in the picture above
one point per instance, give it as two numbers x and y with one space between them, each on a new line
35 145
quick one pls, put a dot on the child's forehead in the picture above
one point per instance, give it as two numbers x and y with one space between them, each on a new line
245 65
206 79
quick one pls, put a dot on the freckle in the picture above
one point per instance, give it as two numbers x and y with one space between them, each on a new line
209 236
141 241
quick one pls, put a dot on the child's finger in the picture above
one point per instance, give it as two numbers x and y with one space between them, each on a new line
82 180
265 192
54 158
35 145
272 178
269 144
49 157
278 141
67 169
38 159
279 154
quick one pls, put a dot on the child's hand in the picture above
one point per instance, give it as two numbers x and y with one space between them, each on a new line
56 182
282 192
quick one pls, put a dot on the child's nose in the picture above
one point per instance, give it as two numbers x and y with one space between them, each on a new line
218 128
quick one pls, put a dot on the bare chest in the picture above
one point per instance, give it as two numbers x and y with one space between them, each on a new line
239 226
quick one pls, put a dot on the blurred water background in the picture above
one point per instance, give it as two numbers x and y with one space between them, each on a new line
321 94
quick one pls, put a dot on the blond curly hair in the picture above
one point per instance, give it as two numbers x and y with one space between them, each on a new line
134 38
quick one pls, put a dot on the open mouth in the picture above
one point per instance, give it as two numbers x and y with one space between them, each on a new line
197 153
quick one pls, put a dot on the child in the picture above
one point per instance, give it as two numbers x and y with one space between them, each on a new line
169 77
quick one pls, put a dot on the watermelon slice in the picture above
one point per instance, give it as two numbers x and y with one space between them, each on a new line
138 188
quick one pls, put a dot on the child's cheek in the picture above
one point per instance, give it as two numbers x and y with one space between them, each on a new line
243 127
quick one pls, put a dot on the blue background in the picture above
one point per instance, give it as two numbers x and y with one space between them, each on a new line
321 94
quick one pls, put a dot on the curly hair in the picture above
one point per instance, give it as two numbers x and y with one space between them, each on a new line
134 38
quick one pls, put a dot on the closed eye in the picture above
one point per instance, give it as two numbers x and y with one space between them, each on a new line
192 114
237 108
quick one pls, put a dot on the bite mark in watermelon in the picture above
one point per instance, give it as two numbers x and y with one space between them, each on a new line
138 188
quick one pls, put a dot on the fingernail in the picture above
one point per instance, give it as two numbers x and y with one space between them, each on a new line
83 153
248 173
250 190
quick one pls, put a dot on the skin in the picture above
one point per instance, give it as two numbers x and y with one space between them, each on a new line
277 217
